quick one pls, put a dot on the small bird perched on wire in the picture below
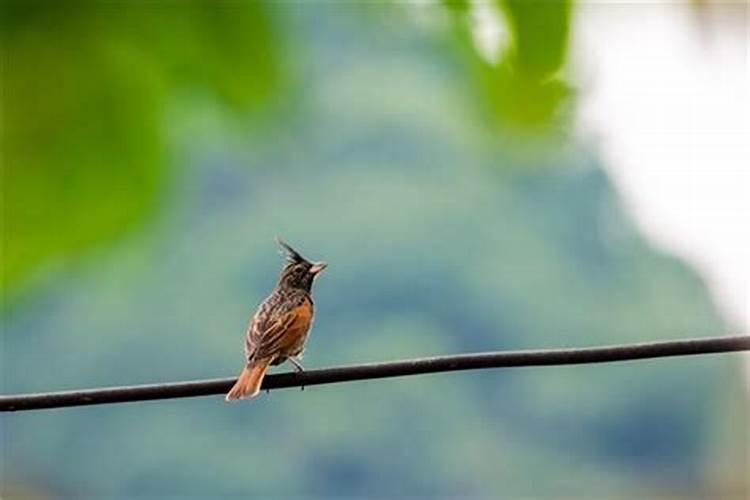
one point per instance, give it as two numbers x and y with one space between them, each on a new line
279 328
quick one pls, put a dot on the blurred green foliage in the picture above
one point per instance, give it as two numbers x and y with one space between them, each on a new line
523 91
86 86
85 89
539 33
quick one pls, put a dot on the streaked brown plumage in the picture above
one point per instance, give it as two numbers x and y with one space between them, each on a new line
279 328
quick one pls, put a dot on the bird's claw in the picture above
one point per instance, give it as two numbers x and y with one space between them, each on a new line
297 365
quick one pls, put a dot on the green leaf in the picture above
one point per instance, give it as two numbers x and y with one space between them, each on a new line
540 35
84 90
522 92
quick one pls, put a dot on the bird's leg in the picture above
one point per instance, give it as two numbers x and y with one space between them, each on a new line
298 366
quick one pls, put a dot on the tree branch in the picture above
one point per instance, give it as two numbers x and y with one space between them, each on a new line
499 359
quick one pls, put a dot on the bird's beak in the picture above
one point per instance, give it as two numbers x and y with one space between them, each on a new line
318 267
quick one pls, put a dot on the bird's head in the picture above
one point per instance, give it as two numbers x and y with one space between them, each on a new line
298 271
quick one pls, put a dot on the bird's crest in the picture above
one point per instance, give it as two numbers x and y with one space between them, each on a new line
292 255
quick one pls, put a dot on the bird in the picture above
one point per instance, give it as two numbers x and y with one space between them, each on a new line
279 328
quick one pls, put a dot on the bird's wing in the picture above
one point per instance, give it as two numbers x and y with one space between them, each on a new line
275 326
285 333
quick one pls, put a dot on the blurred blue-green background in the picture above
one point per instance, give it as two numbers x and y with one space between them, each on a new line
152 151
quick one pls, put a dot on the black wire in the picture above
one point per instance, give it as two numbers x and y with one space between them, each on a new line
499 359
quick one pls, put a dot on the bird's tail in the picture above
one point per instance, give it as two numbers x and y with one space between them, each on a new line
249 382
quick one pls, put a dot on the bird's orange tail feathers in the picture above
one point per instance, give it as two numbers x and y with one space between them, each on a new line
249 382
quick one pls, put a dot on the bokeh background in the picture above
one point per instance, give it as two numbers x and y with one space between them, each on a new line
470 171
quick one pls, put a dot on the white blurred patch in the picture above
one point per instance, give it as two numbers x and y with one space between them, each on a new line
489 30
666 93
669 100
